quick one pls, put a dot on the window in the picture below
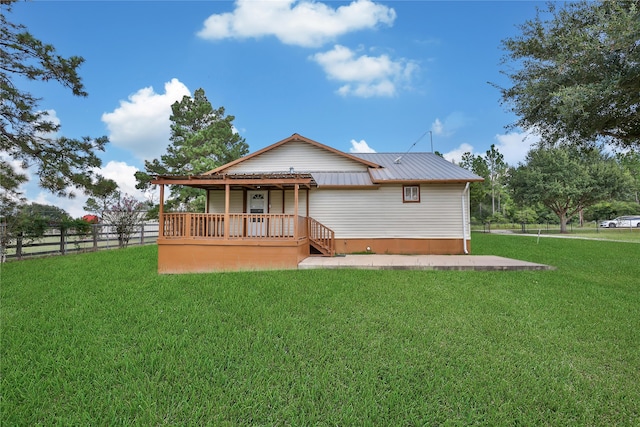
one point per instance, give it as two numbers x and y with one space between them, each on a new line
411 194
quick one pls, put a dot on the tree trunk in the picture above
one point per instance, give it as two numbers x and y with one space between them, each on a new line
581 216
563 221
493 200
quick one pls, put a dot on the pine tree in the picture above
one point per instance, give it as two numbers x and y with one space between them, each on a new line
202 138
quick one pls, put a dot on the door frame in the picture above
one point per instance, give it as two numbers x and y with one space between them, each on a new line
251 193
256 227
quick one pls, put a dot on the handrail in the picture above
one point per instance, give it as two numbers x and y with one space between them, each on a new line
322 236
186 225
241 225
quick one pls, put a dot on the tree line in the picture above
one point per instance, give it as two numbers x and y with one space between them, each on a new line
554 184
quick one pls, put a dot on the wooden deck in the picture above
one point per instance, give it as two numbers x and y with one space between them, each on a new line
240 226
239 240
201 242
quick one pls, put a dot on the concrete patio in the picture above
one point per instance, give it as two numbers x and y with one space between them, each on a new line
421 262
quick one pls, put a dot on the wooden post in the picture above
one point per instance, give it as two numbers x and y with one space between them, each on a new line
227 189
161 213
62 248
94 235
295 211
19 245
308 216
307 190
187 225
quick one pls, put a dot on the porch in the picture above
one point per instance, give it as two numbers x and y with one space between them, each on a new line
192 242
244 235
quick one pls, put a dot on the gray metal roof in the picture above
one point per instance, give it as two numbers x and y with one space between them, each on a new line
354 179
397 167
415 167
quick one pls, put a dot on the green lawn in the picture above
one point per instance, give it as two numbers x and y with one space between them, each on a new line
101 339
625 234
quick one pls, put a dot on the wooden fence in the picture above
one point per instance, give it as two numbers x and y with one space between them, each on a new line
100 237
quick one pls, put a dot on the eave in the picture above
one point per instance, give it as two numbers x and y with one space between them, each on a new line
244 180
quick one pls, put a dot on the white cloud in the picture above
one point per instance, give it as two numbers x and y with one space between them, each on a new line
437 127
450 124
364 76
123 175
360 147
515 146
455 155
141 124
301 23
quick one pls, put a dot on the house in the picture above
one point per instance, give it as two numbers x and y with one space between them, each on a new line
296 198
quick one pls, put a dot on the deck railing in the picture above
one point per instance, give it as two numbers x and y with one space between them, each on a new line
241 226
322 236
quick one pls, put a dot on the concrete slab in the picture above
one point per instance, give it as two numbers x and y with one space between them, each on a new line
420 262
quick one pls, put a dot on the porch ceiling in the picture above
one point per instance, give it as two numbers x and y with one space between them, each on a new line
246 180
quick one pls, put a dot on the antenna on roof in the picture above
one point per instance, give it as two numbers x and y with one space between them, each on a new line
396 161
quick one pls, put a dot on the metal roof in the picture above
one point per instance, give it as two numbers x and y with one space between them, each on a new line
415 167
394 168
352 179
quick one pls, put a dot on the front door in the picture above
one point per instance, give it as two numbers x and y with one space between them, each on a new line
257 204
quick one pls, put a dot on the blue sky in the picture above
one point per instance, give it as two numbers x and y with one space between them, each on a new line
360 75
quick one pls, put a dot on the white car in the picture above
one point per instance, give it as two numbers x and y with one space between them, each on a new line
622 221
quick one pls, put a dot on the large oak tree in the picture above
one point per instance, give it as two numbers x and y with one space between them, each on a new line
575 73
567 180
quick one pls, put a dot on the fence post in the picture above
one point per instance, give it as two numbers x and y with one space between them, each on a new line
94 236
19 245
62 245
142 233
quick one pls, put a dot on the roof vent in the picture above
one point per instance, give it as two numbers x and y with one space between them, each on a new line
397 161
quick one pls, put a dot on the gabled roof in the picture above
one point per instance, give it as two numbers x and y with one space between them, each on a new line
293 138
378 168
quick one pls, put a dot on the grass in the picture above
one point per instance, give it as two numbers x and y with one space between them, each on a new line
101 339
589 231
619 234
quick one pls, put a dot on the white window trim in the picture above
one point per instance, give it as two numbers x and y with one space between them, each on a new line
409 195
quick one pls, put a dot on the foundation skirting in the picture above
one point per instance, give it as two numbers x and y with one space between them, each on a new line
192 256
402 246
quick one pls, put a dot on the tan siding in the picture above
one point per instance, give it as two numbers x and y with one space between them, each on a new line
275 201
301 156
289 206
381 213
372 213
216 201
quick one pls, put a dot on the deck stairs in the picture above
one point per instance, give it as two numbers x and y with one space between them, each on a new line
321 238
